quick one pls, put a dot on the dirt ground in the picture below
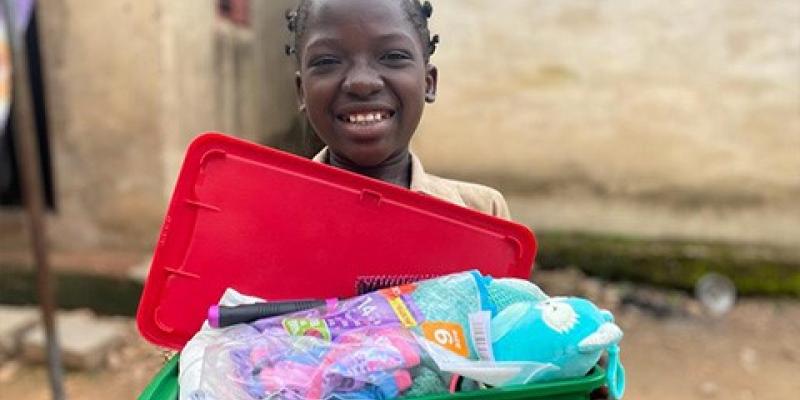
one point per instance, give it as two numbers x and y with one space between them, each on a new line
751 353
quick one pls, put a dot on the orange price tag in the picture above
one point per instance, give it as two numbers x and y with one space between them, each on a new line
448 335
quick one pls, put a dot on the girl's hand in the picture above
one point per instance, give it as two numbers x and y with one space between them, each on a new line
600 394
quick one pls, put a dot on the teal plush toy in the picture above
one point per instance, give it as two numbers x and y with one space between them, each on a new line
568 332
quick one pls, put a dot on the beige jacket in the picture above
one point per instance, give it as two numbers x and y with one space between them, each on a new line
471 195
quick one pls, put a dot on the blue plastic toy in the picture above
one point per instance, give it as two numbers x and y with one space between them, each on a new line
568 332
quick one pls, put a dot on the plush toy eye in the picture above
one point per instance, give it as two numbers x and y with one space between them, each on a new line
559 316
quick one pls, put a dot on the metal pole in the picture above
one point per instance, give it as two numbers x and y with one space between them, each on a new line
27 147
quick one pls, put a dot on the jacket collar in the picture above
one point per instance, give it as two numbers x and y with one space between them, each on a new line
420 181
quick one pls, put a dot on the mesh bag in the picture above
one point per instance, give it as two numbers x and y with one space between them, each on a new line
451 298
505 292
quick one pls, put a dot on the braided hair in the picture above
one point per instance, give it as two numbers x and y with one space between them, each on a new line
418 13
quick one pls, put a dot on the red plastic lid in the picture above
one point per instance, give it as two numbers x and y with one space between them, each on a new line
278 226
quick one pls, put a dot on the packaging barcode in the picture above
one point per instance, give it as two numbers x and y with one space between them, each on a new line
481 337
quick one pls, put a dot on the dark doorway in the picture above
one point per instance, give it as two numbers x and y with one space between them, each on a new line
10 195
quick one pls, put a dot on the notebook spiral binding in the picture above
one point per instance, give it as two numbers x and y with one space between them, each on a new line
367 284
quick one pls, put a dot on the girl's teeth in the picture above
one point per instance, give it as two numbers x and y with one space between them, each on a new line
367 118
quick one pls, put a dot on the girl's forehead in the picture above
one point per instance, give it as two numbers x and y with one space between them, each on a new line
346 14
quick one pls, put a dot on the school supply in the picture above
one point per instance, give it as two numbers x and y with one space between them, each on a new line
278 226
223 316
413 338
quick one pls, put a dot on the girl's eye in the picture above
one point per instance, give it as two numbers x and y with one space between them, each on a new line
396 56
323 61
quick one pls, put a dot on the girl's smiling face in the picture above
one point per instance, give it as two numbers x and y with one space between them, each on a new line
363 78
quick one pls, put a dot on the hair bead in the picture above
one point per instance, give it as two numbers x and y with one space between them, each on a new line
291 20
434 42
427 9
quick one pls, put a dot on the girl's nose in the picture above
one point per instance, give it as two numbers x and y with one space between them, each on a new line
362 81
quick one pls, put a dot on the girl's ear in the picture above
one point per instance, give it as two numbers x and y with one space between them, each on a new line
301 96
431 79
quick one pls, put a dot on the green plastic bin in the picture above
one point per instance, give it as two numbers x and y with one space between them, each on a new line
164 386
227 190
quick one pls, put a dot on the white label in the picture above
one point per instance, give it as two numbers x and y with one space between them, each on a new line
481 334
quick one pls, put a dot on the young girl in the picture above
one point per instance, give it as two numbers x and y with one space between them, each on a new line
363 79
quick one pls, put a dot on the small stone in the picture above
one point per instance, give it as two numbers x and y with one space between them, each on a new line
748 359
114 360
129 353
140 371
8 371
709 389
694 309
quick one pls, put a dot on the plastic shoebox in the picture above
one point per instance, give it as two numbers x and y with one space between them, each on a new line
278 226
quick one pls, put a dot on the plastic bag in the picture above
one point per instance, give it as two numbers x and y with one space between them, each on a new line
403 341
191 361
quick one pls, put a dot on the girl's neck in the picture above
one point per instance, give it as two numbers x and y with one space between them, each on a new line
395 170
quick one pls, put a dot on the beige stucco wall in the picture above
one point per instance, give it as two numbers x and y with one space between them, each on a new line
649 118
221 77
102 69
677 118
129 84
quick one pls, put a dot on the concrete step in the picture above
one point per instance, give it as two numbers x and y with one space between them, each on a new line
15 322
85 339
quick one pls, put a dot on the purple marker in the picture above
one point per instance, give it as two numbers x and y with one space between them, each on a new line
222 316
